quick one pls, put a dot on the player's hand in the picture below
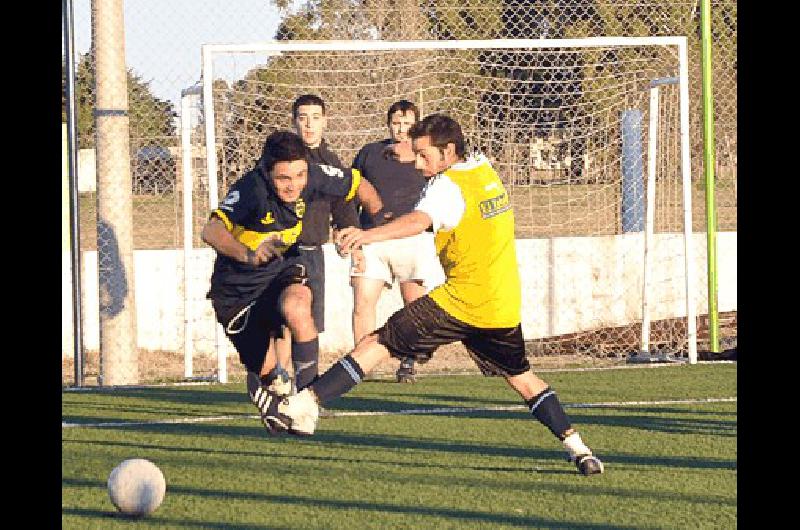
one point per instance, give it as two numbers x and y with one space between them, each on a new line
269 249
339 251
351 238
357 260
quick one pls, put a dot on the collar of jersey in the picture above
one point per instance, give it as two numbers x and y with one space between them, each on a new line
473 160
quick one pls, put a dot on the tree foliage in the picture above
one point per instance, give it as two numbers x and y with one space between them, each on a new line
540 93
151 118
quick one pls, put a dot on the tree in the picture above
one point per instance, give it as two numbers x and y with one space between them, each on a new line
151 119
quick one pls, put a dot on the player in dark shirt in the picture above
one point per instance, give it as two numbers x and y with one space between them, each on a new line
309 120
389 166
255 232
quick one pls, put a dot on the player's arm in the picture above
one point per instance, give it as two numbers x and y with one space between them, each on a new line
440 207
368 195
410 224
216 234
343 213
237 208
342 182
369 198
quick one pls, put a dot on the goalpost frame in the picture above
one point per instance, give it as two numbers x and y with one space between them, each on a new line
275 47
650 196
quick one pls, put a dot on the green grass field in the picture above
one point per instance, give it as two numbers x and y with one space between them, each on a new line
668 465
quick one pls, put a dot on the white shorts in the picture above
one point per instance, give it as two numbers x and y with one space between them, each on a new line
405 259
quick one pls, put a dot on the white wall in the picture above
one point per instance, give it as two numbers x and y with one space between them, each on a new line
568 284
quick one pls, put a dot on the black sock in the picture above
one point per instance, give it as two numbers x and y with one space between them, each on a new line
546 408
339 379
278 371
305 357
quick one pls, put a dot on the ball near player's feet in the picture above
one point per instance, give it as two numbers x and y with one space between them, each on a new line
136 487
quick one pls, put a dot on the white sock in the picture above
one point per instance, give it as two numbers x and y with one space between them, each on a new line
575 445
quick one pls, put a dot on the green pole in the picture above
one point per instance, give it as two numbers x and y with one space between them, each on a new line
708 167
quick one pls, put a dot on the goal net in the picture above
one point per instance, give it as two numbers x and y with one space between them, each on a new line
588 135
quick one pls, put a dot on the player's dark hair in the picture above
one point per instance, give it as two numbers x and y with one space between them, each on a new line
442 130
281 146
403 106
307 99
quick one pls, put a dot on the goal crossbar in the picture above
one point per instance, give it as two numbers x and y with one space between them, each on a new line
384 45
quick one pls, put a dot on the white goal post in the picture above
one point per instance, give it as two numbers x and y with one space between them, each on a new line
568 123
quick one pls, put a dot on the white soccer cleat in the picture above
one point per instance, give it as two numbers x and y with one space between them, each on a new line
303 411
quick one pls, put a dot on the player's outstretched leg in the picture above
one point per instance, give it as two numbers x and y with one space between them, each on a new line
340 378
546 408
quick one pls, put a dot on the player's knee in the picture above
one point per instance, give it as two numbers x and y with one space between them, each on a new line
296 304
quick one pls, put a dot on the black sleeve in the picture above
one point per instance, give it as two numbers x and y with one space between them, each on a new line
239 205
360 160
329 180
344 213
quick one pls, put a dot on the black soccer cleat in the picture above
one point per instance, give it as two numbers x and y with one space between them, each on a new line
407 373
267 401
588 465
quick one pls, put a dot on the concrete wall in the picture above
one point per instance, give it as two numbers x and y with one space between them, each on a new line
568 284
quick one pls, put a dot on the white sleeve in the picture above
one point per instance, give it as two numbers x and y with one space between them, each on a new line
442 201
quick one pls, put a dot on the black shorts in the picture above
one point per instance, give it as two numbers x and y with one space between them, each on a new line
314 259
251 326
422 326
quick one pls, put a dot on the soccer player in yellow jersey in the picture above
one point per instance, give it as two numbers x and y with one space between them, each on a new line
468 209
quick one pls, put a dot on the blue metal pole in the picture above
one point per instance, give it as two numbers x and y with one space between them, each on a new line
632 172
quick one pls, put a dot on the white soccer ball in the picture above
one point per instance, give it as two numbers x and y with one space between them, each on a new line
136 487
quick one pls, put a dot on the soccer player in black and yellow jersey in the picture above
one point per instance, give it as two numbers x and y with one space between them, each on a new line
255 233
479 304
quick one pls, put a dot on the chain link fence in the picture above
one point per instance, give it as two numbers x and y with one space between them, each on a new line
162 58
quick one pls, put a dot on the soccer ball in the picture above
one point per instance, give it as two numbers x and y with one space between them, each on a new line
136 487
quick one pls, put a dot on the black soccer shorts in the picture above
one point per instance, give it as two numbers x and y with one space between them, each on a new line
251 327
422 326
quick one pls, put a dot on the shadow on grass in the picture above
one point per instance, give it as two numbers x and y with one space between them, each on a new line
187 403
702 426
354 442
393 443
210 395
441 514
153 520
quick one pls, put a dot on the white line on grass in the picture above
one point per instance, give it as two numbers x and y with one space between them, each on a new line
388 376
443 410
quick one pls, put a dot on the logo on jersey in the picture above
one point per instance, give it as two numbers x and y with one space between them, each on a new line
332 171
495 206
230 199
268 219
300 208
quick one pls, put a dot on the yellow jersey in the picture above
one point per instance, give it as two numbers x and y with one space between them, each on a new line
477 250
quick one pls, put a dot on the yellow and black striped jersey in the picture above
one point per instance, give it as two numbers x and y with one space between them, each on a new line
252 212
